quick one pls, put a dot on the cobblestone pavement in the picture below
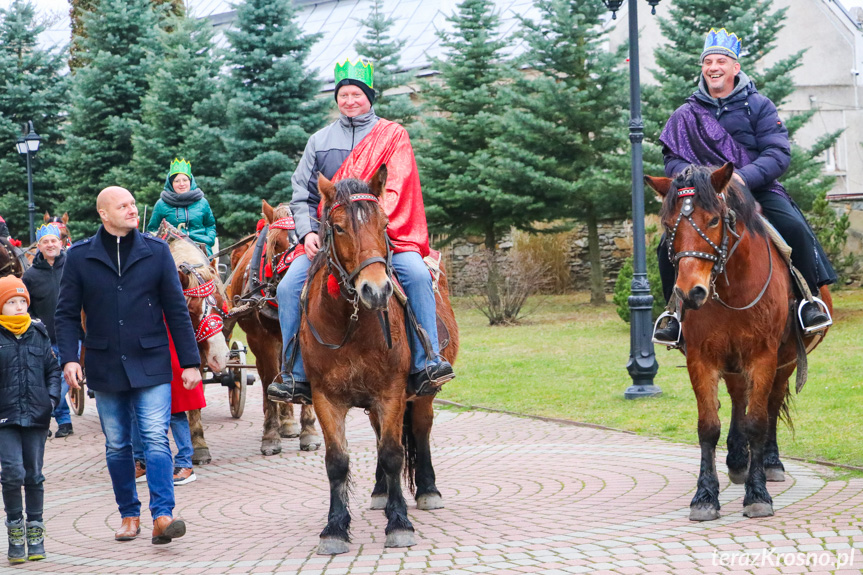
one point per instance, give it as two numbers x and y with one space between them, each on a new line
521 495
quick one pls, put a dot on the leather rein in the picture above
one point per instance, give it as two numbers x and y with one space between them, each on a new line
346 280
721 253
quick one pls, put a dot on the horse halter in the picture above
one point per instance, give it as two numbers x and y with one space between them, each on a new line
346 279
211 318
722 254
282 260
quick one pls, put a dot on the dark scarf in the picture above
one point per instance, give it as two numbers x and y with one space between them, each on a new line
692 133
176 200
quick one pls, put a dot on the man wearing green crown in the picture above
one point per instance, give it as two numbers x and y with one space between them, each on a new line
355 146
727 120
184 206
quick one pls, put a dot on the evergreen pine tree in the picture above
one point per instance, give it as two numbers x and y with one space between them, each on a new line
378 46
121 44
32 89
173 123
562 149
463 110
271 109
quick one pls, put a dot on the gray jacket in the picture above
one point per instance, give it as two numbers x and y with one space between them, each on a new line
326 151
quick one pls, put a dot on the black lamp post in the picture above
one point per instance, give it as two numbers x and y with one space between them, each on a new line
28 146
642 366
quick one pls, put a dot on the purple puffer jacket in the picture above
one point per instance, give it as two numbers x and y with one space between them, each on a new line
752 120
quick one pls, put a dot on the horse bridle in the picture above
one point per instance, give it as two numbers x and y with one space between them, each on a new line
211 316
13 262
346 279
722 254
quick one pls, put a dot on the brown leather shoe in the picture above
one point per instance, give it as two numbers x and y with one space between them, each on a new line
129 529
166 528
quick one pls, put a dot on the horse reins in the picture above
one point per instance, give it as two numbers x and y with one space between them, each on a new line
346 280
722 254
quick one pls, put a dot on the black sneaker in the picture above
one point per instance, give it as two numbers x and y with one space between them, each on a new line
813 317
430 380
668 334
64 430
294 391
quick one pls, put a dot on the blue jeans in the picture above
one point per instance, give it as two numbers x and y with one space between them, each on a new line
414 278
62 413
182 438
151 407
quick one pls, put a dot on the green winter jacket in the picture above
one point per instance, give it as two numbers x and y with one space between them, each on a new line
196 219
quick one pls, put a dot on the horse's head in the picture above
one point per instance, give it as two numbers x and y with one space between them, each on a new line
281 236
702 210
354 231
61 222
205 298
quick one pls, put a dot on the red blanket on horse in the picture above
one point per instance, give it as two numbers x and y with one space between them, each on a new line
388 143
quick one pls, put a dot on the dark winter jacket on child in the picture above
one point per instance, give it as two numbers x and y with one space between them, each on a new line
29 377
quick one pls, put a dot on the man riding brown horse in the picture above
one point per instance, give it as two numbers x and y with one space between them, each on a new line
727 120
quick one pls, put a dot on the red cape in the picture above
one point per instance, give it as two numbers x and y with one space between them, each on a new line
388 143
183 399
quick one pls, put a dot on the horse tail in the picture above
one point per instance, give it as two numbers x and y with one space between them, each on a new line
785 409
410 446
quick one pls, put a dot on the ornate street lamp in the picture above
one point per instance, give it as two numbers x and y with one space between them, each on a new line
28 146
642 366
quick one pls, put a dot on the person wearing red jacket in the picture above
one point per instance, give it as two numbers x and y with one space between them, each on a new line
355 146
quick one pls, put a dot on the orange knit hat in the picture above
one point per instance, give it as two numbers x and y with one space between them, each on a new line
10 286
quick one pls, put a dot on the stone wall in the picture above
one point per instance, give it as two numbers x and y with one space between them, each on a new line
465 258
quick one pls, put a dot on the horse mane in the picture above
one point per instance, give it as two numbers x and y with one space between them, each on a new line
344 190
280 211
737 198
184 250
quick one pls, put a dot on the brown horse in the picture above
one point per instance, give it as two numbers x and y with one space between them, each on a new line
205 298
740 325
11 261
265 341
365 372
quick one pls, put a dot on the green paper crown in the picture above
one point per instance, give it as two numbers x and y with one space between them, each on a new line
362 71
180 167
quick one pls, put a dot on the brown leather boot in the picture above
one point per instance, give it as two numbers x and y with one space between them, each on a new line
166 528
129 529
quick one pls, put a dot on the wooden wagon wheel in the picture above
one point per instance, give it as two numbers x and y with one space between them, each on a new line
76 399
237 393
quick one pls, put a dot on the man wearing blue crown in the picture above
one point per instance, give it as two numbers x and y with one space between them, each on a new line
43 283
726 119
355 146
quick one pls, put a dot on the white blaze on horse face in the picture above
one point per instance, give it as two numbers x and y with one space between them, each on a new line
217 353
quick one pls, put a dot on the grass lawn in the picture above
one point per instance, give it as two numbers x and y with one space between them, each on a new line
568 360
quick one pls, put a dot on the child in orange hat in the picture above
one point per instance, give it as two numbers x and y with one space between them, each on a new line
31 389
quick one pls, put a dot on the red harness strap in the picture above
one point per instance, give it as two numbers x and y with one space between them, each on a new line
202 290
210 326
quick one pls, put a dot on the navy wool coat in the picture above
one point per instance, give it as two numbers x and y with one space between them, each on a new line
126 341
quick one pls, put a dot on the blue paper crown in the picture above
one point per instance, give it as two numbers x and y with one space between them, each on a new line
721 42
47 230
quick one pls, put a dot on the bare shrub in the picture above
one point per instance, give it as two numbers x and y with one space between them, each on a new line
552 250
509 280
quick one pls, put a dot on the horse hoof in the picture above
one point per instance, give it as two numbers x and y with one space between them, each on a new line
379 502
288 430
738 477
271 447
758 510
429 501
332 546
703 514
310 442
774 473
400 538
201 456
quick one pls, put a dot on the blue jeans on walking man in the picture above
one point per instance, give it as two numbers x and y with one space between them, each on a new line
413 276
151 407
182 439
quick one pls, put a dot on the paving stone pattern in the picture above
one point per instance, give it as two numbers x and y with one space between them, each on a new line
521 495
